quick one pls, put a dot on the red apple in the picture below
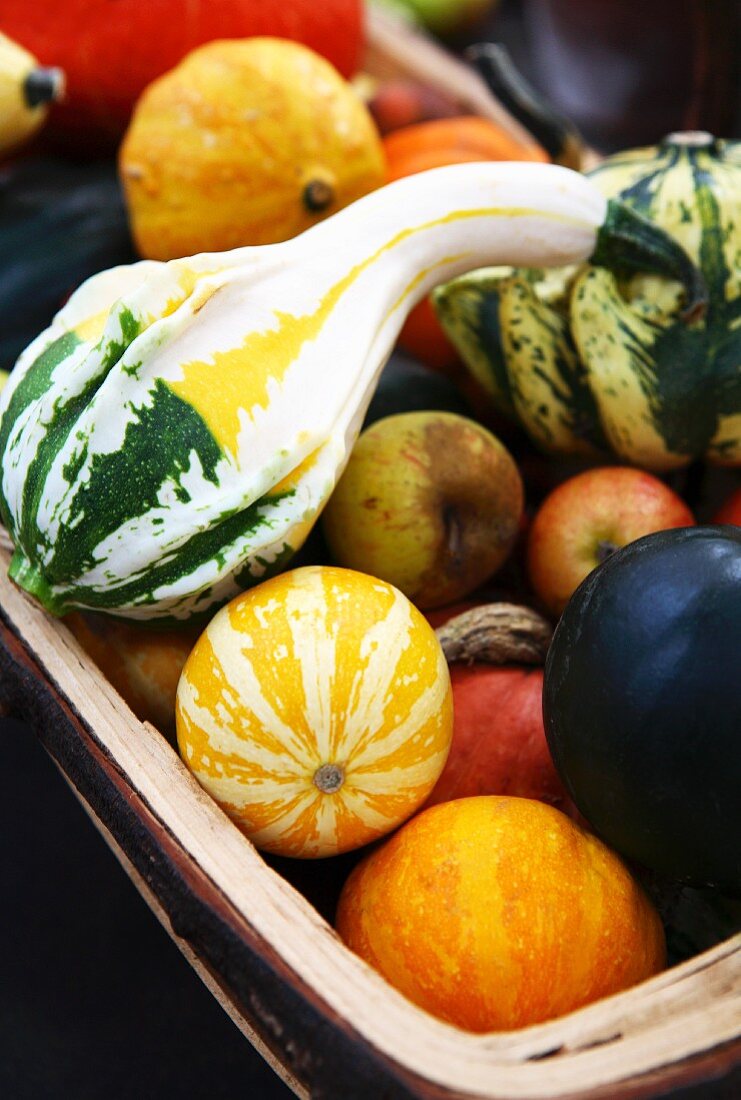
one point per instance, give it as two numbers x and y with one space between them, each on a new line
730 511
588 517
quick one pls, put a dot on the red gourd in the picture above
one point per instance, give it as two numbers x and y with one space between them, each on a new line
111 49
496 654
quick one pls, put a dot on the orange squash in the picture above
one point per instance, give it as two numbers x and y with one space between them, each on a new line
496 913
444 141
143 665
244 143
316 710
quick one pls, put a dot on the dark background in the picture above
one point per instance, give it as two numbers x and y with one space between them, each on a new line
95 1000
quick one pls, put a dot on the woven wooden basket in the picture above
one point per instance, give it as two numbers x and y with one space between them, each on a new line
326 1022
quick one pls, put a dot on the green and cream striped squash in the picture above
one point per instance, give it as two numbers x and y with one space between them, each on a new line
591 362
173 435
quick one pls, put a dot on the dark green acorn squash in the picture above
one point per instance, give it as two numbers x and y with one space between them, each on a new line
642 703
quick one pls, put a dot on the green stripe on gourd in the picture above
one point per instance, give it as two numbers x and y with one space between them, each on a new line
159 449
175 433
668 392
209 547
512 328
474 326
30 388
663 391
549 389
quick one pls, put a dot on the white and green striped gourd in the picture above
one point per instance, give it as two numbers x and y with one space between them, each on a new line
589 361
173 435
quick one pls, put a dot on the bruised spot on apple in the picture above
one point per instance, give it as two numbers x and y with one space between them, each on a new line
430 502
586 519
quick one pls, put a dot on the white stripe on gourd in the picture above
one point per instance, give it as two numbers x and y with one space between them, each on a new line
278 758
273 354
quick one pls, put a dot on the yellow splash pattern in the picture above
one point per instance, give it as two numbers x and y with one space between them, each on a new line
296 475
622 369
91 328
240 379
184 286
317 666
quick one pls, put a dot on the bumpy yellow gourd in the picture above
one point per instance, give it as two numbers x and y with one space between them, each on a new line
249 141
174 434
26 89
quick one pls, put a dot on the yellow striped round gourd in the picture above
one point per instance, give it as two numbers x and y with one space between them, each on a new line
316 710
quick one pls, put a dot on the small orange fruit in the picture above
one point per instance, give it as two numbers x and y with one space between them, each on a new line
245 142
143 665
316 710
494 913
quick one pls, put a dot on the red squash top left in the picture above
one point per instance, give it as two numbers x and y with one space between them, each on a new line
111 49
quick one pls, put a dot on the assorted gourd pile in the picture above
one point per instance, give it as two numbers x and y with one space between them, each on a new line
171 439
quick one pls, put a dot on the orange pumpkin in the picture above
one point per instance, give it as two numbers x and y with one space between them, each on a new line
443 141
496 913
110 51
316 710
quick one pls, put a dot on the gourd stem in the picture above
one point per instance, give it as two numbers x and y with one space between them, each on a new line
690 139
496 634
626 241
30 578
329 778
318 195
43 85
555 132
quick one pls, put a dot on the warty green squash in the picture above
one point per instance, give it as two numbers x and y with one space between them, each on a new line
591 361
173 435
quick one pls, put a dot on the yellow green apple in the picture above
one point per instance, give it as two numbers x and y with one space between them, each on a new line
430 502
441 16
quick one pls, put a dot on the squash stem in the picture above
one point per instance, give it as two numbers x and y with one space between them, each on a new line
555 132
43 85
626 241
28 577
329 778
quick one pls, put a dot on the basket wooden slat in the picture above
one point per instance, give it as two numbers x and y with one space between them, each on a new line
331 1024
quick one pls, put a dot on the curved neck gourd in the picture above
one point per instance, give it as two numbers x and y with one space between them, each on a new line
174 434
